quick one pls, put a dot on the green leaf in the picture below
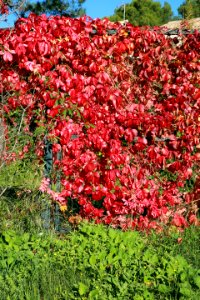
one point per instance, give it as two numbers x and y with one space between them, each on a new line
110 258
82 289
93 293
148 295
164 288
197 281
112 234
184 276
10 260
185 289
93 260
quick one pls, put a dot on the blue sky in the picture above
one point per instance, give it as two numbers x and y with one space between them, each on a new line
102 8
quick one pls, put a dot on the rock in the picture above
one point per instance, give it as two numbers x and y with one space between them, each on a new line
192 24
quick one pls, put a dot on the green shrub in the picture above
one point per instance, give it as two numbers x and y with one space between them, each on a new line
92 263
123 265
31 267
188 246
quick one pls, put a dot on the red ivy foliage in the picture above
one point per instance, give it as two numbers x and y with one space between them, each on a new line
124 108
3 8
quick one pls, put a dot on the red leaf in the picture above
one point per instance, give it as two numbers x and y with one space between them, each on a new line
7 56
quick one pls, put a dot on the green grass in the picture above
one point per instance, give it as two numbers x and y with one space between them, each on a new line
21 210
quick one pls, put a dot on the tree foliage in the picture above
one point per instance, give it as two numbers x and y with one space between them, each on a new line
72 8
10 6
190 9
146 12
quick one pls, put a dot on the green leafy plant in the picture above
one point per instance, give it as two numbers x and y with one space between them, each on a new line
95 262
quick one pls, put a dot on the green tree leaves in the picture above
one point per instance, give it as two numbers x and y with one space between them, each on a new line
147 12
190 9
72 8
